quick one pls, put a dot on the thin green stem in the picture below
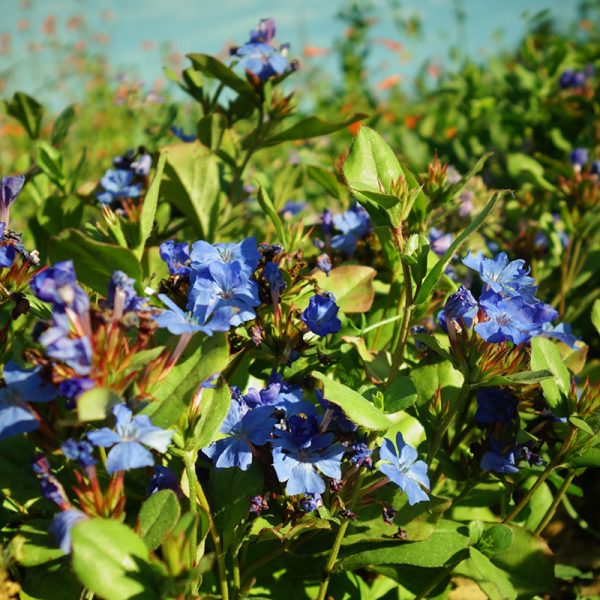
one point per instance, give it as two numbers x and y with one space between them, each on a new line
541 479
398 355
555 502
337 543
214 534
252 146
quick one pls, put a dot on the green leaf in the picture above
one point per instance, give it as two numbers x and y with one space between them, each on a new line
158 516
310 127
437 550
230 490
596 315
582 425
587 458
61 126
356 407
95 404
214 407
523 378
492 580
545 355
371 163
52 581
149 207
400 394
34 545
50 161
522 163
203 359
94 261
441 375
211 129
326 179
192 184
111 561
436 272
352 286
215 69
267 205
28 111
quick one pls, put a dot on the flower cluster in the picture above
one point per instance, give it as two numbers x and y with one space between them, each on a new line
259 57
126 180
572 79
507 309
353 225
279 427
221 291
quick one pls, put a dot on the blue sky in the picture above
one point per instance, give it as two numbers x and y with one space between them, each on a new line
209 25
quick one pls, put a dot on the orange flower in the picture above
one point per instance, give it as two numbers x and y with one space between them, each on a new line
355 127
450 132
392 45
314 51
75 22
22 24
49 25
388 82
411 121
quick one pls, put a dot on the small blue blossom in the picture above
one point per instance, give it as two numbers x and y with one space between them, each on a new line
22 386
495 406
264 32
274 277
74 352
245 253
118 183
81 452
579 157
562 332
320 315
130 441
61 527
178 322
243 429
509 319
461 306
142 165
10 188
163 479
399 463
439 242
292 208
501 276
72 388
298 459
354 224
324 264
361 455
184 137
311 502
499 460
58 285
126 286
327 222
263 60
177 256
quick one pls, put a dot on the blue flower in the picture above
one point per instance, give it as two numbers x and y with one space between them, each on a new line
361 455
22 386
179 322
263 60
495 406
9 190
243 429
118 183
399 463
311 502
561 332
131 302
439 242
324 264
245 253
509 319
177 256
74 352
7 252
264 32
80 452
61 527
499 460
461 306
291 208
579 157
224 286
298 461
502 276
327 222
274 276
354 224
58 285
163 479
321 314
184 137
130 441
142 165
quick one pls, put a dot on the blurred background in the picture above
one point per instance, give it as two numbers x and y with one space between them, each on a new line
52 49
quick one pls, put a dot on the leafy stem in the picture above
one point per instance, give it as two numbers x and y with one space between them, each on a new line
555 502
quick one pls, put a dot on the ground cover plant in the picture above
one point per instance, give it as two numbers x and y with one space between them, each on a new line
285 354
